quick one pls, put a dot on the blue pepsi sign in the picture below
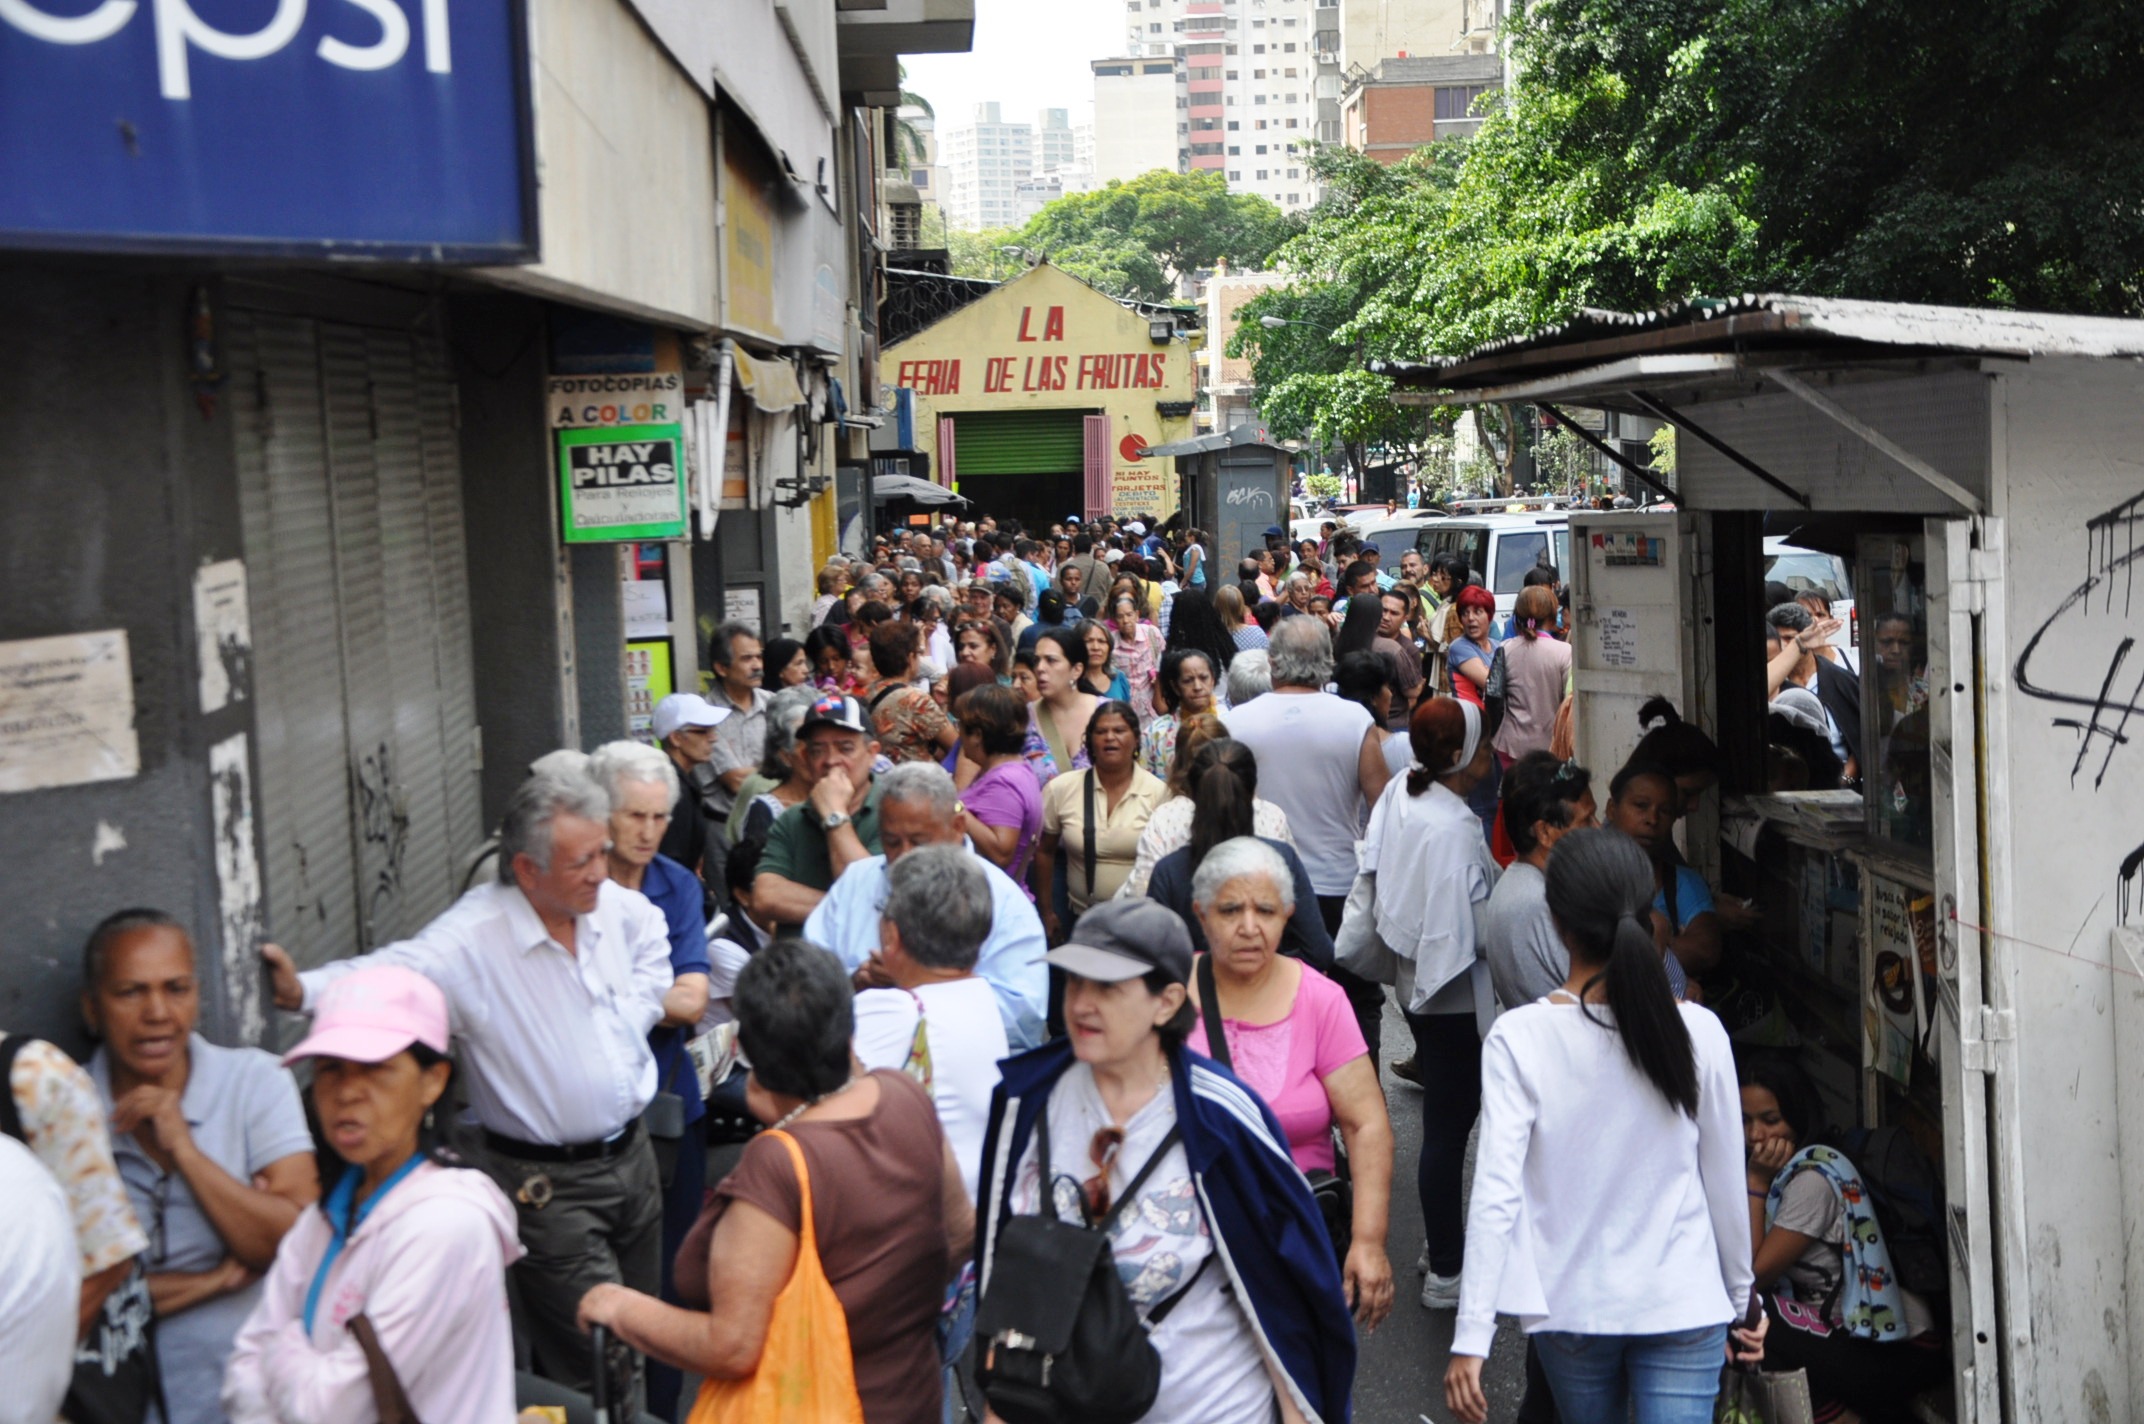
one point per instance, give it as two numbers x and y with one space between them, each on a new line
390 129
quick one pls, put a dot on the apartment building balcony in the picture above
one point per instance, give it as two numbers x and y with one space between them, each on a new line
872 35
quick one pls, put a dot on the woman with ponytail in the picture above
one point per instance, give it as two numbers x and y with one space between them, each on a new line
1432 876
1608 1213
1536 666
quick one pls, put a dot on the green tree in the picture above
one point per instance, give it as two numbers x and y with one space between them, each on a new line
1147 233
990 254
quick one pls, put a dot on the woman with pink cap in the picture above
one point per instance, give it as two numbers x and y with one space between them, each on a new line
417 1248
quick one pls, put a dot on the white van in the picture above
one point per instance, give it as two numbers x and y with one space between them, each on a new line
1498 548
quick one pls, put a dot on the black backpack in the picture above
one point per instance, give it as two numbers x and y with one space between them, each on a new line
1057 1340
1907 1194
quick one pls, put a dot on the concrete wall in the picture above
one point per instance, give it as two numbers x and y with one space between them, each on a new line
2066 814
498 345
626 169
117 487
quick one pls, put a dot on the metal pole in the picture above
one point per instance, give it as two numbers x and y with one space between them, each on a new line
1616 455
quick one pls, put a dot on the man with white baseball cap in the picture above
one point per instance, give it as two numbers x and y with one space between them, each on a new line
685 725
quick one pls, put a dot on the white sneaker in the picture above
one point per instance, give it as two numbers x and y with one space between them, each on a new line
1421 1262
1440 1292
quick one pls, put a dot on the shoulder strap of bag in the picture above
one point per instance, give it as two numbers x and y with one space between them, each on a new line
881 695
1131 1188
1210 1011
10 1113
1089 832
1161 1311
387 1394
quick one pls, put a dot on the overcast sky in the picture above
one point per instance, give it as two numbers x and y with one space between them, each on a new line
1028 55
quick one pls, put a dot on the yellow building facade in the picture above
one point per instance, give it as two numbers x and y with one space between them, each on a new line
1041 399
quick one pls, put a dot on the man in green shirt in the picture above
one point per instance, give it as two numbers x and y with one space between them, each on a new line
812 842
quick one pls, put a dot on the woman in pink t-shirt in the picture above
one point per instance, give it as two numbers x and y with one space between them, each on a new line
1292 1038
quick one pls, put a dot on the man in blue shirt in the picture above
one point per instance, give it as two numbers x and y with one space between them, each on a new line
919 806
642 785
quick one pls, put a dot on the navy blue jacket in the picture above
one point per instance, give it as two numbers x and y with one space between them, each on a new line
1305 936
1267 1232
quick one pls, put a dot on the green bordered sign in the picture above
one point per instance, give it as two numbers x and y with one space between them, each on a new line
620 484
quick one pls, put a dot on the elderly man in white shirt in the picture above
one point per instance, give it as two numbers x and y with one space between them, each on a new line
918 806
553 976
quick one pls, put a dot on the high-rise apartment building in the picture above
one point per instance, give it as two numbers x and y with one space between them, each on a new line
1055 142
982 164
1259 78
1137 124
1374 30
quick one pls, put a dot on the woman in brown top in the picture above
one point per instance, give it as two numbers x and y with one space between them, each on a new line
891 1214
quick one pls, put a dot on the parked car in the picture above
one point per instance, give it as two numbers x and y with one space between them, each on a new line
1814 571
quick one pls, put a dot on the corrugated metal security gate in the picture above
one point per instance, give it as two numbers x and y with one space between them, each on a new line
1030 465
1021 442
350 491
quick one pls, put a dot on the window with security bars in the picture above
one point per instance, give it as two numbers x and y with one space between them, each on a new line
1457 101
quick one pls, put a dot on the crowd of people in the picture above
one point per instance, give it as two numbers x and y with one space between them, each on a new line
1039 907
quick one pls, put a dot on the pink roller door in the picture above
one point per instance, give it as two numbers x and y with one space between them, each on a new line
1099 493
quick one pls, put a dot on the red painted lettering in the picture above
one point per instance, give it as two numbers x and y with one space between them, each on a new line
1023 324
1053 325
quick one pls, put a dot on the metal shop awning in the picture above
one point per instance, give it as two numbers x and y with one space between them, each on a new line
887 487
1815 402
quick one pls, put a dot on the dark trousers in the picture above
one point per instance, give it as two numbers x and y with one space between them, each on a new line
1877 1379
603 1222
1364 996
1447 1059
683 1195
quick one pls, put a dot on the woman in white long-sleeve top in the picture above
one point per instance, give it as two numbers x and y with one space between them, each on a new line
1608 1212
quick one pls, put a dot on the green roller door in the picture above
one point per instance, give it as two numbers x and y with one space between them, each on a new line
1019 442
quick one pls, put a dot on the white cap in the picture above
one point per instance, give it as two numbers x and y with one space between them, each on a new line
686 709
1136 527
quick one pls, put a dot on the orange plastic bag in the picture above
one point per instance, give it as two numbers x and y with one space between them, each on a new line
806 1371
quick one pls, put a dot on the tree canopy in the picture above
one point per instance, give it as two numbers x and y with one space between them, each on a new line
1656 150
1135 239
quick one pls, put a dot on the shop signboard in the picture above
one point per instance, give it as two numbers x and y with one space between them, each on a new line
621 483
391 129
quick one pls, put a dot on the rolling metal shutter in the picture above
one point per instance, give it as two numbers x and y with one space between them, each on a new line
351 499
1021 442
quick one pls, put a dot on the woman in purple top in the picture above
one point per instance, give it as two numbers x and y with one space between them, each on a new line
1001 808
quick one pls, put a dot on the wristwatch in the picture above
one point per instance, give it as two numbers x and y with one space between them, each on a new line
836 821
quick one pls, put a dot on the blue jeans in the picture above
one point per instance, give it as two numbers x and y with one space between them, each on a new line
1648 1379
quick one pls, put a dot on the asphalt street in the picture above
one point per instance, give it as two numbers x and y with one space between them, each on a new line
1399 1377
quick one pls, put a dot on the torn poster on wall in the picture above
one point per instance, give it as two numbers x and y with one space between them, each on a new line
239 911
223 634
67 711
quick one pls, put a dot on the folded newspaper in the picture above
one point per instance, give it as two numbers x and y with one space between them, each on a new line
714 1054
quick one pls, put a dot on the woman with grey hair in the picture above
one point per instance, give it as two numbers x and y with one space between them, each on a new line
1290 1033
854 1170
642 785
780 782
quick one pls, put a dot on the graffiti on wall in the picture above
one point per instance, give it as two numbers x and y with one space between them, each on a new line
2084 661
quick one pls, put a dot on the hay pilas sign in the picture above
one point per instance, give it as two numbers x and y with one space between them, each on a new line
621 484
